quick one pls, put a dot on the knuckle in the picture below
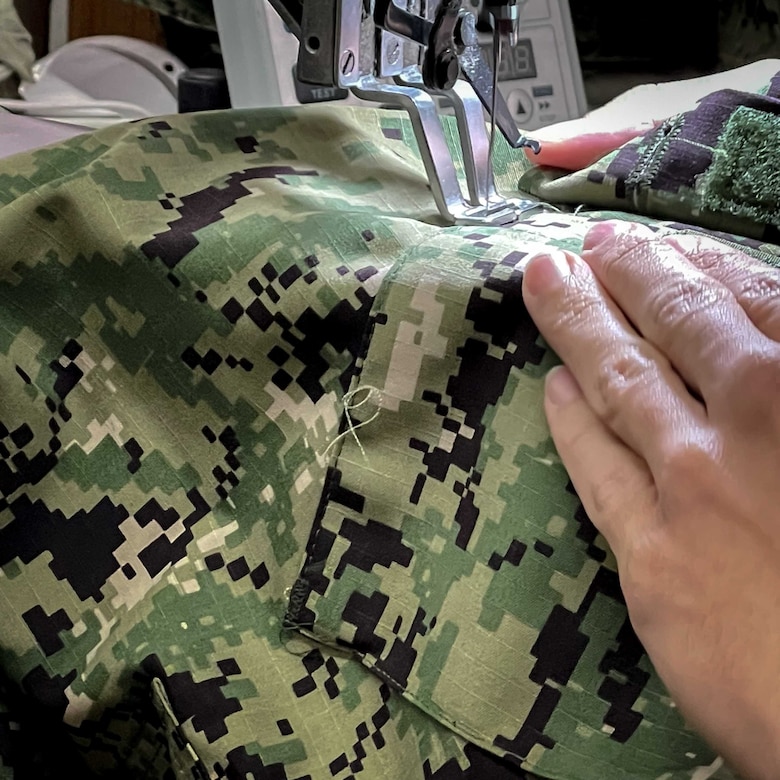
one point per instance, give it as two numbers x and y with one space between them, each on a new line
615 257
707 253
757 286
759 294
705 256
622 383
580 304
685 300
628 248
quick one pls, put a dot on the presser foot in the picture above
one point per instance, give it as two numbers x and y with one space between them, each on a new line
481 203
500 212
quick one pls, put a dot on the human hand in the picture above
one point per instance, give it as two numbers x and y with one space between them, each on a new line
575 144
667 417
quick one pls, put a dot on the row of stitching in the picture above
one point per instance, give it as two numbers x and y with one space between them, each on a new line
649 164
165 710
302 588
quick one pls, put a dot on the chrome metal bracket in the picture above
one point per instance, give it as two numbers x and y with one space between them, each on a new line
481 203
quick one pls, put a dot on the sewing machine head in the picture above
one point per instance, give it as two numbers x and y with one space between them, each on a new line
419 55
343 41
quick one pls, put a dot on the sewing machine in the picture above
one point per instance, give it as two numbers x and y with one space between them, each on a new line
508 61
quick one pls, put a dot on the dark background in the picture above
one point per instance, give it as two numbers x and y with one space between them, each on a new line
620 43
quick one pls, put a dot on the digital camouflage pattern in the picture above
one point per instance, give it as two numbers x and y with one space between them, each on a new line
277 498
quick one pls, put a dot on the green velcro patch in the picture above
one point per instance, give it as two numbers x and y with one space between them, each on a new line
744 178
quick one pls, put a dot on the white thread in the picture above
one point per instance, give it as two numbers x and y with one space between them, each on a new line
372 394
714 150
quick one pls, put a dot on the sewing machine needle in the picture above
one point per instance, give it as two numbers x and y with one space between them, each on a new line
496 63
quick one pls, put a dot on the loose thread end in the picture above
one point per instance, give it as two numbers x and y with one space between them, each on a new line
371 394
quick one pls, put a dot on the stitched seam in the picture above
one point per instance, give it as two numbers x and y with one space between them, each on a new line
650 163
290 619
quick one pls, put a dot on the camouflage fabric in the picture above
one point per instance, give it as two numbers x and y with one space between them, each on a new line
716 166
277 497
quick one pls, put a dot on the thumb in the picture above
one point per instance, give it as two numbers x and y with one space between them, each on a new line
613 482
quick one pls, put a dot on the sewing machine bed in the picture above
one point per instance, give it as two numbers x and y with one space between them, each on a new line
276 490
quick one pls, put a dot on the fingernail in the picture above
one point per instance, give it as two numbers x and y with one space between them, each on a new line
561 387
598 234
545 271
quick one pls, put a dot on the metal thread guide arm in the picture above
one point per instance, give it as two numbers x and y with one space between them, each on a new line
415 59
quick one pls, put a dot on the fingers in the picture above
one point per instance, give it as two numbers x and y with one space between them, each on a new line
614 485
754 284
628 383
577 143
689 315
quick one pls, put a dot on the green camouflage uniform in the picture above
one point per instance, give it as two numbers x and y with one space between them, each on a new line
277 496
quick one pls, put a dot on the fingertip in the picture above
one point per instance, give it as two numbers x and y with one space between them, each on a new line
578 143
608 231
612 481
686 244
561 388
546 271
600 233
532 152
568 154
